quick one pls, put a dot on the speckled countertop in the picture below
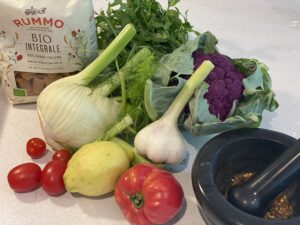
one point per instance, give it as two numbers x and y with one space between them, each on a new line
268 30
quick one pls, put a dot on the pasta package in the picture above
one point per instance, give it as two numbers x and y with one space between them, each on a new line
42 41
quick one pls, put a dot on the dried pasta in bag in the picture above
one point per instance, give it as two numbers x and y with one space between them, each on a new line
42 41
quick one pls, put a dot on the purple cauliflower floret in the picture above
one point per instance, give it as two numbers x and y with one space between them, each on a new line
225 83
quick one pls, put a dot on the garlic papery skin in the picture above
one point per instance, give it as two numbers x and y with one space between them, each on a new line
161 141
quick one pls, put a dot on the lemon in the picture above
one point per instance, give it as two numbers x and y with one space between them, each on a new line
95 168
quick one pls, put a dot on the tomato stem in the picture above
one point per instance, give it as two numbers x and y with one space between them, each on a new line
137 199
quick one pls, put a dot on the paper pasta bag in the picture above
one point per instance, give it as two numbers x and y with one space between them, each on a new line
42 41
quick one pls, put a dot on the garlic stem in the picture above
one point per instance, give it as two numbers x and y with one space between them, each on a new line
108 55
188 90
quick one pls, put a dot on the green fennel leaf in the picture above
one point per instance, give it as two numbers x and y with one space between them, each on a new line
172 2
136 71
161 30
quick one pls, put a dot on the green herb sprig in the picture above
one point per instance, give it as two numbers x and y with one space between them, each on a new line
161 30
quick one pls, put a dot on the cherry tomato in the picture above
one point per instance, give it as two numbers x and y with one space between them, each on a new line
35 147
62 155
52 177
25 177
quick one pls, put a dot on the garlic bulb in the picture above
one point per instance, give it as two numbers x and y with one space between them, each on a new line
161 141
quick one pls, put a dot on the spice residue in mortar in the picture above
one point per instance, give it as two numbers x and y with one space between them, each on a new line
279 209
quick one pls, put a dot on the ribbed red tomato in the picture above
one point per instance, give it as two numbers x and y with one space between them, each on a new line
148 195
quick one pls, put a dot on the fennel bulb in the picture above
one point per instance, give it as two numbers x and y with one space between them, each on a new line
71 114
161 141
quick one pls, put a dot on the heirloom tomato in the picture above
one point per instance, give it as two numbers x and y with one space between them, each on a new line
148 195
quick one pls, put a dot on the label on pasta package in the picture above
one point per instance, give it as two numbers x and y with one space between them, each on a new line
42 41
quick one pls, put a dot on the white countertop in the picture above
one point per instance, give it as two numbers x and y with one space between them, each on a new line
268 30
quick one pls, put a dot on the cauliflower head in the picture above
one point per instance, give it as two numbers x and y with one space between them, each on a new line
225 83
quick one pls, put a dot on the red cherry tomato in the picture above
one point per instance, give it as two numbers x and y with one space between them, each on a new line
25 177
35 147
52 177
62 155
